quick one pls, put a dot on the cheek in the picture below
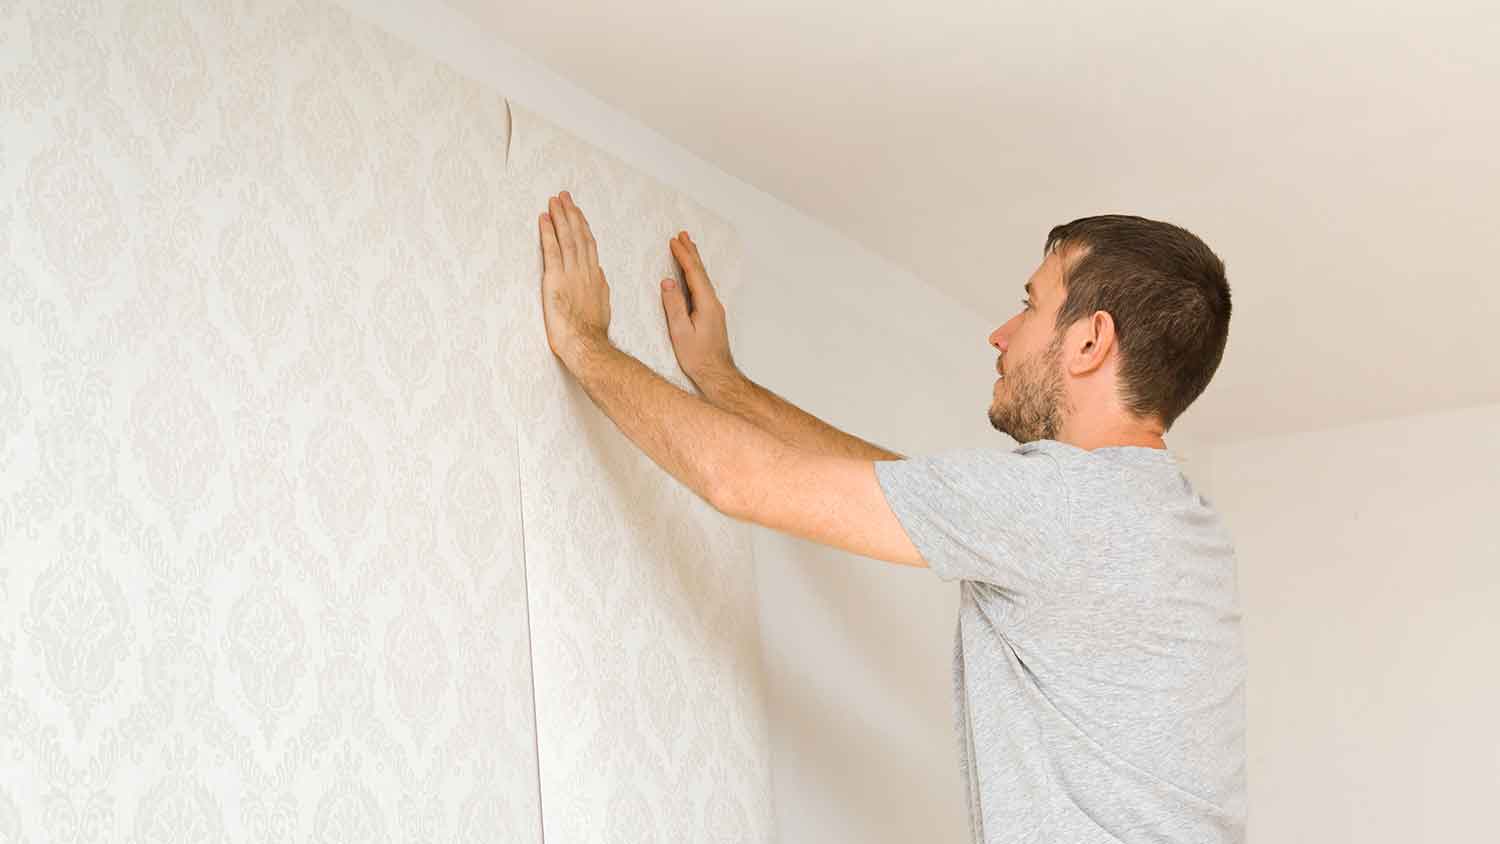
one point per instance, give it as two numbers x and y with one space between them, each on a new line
1020 348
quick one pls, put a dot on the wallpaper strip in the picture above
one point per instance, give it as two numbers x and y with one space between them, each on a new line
650 694
260 550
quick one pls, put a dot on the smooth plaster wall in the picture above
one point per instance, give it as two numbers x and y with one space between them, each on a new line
1370 575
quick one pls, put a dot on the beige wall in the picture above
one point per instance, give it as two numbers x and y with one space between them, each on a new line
1368 569
858 652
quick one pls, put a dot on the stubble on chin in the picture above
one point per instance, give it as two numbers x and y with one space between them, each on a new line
1030 411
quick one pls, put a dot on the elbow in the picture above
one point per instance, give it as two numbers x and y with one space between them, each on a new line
741 481
735 485
725 494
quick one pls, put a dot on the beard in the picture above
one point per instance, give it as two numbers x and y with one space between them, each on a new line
1031 401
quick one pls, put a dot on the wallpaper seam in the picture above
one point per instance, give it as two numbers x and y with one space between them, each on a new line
510 132
530 645
639 604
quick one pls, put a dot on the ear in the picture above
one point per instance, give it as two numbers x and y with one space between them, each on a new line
1092 345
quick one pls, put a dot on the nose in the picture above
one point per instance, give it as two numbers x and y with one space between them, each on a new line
1000 337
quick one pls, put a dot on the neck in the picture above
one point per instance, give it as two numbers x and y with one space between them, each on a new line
1091 436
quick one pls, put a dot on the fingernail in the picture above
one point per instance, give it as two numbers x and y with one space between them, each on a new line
668 284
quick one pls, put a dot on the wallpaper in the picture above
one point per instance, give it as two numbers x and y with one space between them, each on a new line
262 573
646 647
283 454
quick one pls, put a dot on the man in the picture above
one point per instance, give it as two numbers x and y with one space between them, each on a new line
1099 670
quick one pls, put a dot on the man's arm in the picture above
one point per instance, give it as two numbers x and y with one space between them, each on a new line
730 390
700 338
695 442
739 468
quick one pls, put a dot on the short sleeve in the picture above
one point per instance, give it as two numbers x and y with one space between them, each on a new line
995 516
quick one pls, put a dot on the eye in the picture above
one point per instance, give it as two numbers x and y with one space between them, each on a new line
1026 304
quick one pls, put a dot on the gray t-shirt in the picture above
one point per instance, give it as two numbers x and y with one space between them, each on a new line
1098 667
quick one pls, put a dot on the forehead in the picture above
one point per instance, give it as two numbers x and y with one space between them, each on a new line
1047 278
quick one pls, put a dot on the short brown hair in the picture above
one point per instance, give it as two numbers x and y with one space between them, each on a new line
1165 290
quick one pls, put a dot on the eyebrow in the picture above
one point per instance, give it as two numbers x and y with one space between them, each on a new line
1028 289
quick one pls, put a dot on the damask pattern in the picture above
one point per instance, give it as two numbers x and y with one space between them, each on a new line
650 693
276 404
261 572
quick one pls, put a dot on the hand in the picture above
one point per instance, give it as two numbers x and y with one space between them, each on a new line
575 294
700 335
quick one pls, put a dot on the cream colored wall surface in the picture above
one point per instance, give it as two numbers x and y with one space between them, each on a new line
650 695
859 651
261 545
1368 570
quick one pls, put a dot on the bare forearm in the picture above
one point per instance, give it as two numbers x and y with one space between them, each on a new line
698 444
734 392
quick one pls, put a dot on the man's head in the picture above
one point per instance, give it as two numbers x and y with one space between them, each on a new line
1124 324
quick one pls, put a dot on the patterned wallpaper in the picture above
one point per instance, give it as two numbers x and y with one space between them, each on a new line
646 647
283 453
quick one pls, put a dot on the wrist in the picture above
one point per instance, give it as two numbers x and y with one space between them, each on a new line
719 382
579 351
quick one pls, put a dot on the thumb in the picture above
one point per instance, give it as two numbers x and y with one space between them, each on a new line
676 306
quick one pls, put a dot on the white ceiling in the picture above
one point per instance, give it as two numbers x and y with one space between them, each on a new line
1340 158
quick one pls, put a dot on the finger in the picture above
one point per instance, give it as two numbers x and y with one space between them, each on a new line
693 246
551 254
699 286
565 241
673 302
587 248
